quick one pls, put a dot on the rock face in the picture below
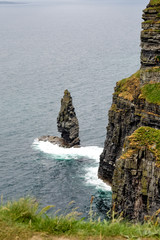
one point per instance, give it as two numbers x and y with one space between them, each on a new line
67 124
129 111
150 36
136 179
54 140
67 121
136 103
150 43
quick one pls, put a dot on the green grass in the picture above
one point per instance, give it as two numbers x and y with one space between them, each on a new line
24 218
151 92
154 2
128 88
148 137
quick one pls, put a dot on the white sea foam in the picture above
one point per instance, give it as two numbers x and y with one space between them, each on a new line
92 179
90 152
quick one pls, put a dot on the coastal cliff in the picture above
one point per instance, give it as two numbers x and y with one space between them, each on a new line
136 104
136 178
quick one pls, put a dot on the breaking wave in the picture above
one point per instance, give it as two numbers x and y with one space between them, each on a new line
89 152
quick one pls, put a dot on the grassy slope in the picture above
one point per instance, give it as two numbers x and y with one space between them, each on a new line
22 219
145 136
151 92
154 2
129 88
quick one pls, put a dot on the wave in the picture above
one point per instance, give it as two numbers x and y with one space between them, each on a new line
93 180
90 152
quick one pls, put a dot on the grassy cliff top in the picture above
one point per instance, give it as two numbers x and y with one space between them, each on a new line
144 137
129 88
154 2
151 92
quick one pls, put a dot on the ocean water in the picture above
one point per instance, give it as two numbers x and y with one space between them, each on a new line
47 46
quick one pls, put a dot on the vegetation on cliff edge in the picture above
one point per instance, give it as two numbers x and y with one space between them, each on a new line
23 219
129 88
151 92
154 2
145 137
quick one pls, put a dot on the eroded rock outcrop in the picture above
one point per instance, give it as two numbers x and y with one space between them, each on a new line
67 121
67 124
136 103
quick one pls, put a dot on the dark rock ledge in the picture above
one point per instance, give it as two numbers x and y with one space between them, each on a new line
67 124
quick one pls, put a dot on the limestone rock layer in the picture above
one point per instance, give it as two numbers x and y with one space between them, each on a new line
150 44
150 36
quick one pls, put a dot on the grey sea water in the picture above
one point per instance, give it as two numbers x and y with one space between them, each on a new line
46 47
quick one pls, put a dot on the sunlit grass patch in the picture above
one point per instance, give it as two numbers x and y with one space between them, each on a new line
151 92
128 88
154 2
148 137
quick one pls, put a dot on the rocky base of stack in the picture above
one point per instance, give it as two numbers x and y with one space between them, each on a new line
57 141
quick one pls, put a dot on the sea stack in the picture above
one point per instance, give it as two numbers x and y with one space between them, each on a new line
67 124
67 121
130 161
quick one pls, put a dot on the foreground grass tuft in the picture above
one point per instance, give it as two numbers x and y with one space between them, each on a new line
23 218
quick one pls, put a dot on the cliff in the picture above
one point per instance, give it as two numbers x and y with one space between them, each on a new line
136 179
133 106
136 103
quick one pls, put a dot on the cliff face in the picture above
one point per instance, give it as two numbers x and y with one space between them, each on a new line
129 111
136 103
150 44
136 179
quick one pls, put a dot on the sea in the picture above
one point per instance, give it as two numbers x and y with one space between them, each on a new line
47 46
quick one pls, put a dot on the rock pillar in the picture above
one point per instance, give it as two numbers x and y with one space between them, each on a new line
67 121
